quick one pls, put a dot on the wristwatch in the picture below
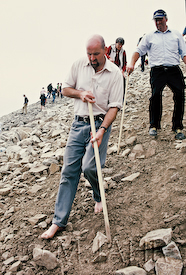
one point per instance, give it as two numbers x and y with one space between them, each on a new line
103 128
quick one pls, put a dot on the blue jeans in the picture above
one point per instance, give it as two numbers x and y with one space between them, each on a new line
79 157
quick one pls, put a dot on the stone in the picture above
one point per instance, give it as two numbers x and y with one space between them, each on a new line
168 266
34 189
156 238
38 169
112 149
45 258
15 267
56 133
132 156
126 152
6 255
148 266
138 148
98 241
65 241
37 218
118 177
5 191
9 261
172 251
131 177
131 140
131 270
150 152
102 257
54 168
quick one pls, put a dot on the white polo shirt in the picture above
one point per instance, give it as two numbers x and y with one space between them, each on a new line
106 85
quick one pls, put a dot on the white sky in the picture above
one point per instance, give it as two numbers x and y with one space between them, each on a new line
40 39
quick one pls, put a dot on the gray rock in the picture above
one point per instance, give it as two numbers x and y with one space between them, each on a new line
156 238
45 258
172 251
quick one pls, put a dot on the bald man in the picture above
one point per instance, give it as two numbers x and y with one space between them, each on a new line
100 82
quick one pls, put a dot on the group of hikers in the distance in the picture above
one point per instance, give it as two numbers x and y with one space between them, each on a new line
51 92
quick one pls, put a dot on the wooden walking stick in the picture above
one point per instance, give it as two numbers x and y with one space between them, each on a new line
123 112
100 178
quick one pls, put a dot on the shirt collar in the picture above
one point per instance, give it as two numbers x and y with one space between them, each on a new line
167 30
107 65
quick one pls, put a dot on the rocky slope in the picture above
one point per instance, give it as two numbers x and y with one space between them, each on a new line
145 189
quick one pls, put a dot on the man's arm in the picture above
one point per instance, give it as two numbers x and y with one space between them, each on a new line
108 119
134 59
184 59
85 96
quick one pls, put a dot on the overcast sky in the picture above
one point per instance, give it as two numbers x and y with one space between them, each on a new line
40 39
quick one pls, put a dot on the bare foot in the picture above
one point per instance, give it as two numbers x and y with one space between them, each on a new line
53 229
98 207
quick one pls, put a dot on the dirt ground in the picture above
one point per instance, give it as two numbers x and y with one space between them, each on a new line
154 200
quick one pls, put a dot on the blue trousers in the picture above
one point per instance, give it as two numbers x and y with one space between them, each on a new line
79 157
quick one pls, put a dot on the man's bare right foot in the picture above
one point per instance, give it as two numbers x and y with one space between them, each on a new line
53 229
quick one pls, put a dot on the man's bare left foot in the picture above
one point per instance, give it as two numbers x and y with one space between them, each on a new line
53 229
98 207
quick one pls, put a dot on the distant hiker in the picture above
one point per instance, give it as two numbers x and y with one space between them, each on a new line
79 153
184 32
142 57
43 98
49 89
60 90
164 48
43 91
116 54
24 111
54 91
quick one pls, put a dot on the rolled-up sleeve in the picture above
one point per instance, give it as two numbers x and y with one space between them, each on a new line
143 46
116 92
